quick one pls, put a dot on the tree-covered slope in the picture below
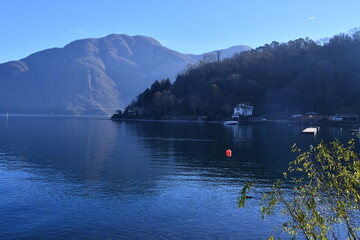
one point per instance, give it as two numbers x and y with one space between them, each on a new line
278 78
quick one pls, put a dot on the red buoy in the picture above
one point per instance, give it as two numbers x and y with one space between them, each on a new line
228 153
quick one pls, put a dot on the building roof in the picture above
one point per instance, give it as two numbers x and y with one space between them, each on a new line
245 106
345 115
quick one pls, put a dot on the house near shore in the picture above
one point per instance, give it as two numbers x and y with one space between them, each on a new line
312 117
297 117
135 111
345 117
243 110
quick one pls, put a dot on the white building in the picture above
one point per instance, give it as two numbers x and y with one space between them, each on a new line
243 110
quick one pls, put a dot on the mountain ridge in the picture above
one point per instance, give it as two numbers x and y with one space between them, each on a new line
87 76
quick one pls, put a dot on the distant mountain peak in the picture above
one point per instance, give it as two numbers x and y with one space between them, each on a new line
87 76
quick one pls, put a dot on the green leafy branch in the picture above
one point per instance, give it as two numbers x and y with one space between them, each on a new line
325 199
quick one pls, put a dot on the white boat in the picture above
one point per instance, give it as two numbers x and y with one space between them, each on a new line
355 129
230 123
312 130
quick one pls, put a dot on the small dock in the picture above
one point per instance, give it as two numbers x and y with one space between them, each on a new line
312 130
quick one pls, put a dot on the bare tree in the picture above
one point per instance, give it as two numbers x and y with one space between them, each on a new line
218 56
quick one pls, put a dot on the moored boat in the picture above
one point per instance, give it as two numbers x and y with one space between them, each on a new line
230 123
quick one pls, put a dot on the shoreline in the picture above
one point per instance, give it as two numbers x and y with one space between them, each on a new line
164 120
282 122
22 115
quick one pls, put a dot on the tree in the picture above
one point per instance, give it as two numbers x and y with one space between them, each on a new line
325 202
218 56
194 102
207 58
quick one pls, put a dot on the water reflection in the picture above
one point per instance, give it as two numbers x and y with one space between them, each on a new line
84 177
241 133
141 153
95 155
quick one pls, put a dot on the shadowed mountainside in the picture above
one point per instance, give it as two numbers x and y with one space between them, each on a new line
89 76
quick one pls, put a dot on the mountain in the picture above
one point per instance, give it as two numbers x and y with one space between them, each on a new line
89 76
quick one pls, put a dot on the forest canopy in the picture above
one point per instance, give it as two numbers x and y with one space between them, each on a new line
278 78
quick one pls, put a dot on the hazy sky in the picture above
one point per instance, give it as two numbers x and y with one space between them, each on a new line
188 26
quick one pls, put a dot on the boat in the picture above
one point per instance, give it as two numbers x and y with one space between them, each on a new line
230 123
312 130
355 130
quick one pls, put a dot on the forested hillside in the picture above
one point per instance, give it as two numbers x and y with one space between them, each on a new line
278 79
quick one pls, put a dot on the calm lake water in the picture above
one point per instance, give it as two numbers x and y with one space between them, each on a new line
88 178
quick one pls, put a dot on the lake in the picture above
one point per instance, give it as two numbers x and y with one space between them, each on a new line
92 178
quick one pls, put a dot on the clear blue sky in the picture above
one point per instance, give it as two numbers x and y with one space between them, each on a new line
188 26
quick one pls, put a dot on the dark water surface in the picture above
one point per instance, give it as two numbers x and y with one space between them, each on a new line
88 178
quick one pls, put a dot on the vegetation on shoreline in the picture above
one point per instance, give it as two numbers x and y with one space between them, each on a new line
325 200
277 78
